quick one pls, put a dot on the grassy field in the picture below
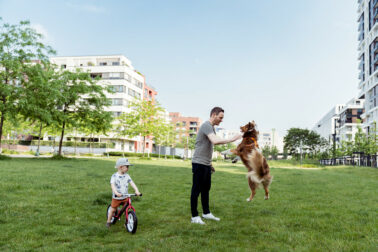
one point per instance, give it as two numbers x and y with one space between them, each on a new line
53 205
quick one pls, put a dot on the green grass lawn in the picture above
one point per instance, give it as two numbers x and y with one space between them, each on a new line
53 205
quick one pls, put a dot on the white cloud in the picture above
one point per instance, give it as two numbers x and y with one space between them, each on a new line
86 7
42 30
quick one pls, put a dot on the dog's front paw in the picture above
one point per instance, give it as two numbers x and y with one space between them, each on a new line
266 197
248 199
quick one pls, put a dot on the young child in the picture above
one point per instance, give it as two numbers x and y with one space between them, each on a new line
120 185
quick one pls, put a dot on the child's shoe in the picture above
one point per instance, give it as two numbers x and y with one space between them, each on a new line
108 224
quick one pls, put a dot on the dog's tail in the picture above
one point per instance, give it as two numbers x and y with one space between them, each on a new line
252 175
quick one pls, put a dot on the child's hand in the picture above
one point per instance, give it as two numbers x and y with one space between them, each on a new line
118 194
137 193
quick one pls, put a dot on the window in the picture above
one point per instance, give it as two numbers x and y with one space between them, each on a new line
118 89
138 83
134 94
115 63
117 114
117 102
63 66
103 63
114 75
183 123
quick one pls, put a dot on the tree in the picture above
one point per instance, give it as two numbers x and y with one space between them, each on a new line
81 104
274 152
143 120
19 45
308 141
40 96
266 151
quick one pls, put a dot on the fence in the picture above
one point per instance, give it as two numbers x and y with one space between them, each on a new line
355 160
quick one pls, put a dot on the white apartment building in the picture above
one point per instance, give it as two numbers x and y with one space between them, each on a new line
225 133
368 59
271 138
328 125
115 71
350 118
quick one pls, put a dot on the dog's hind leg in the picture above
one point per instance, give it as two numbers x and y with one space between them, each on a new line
266 182
252 186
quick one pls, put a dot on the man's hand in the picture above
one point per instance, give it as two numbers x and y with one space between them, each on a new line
212 169
237 137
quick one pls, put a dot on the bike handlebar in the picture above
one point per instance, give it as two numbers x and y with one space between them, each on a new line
129 195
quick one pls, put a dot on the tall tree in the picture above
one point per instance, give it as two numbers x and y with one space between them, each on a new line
82 103
40 96
143 120
19 45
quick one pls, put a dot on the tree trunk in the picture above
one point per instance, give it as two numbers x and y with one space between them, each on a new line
123 148
39 140
144 144
1 128
159 150
61 139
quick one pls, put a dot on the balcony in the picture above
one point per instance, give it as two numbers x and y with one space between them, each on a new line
361 75
374 3
361 26
361 36
361 65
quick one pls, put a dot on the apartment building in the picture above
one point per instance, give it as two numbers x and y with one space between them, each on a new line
117 72
368 59
271 138
186 126
350 119
327 127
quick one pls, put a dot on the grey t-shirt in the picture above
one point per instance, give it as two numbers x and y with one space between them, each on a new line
204 148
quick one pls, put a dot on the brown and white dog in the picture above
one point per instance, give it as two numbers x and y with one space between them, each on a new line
254 161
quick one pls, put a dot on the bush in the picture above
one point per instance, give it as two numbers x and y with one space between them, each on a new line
72 144
3 157
58 157
7 151
133 154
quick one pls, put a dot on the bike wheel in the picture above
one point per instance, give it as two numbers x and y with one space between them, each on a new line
132 222
113 220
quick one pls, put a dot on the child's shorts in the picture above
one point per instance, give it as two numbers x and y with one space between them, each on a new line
116 203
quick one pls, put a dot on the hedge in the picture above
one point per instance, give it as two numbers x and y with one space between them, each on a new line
65 143
133 154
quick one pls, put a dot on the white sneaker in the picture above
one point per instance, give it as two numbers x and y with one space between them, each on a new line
198 220
210 216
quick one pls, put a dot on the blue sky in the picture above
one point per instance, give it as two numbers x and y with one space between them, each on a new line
281 63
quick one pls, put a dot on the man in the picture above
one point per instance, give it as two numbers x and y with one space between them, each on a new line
201 164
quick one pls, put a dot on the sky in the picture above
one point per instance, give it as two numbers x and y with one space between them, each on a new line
281 63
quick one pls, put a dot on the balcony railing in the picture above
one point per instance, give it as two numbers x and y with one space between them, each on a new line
374 3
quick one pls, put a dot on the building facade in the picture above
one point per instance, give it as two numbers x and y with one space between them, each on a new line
368 59
185 126
350 119
327 127
127 84
271 138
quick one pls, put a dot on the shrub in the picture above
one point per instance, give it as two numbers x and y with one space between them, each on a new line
3 157
133 154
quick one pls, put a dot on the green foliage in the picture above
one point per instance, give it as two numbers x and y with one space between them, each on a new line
76 112
7 151
4 157
144 120
133 154
19 45
78 144
309 141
